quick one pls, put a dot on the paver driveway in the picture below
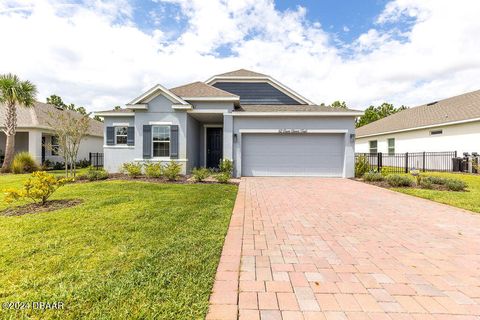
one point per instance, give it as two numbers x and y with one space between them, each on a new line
310 248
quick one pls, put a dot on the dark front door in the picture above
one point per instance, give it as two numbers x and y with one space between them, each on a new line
214 147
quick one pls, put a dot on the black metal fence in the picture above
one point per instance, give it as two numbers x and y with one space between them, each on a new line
96 159
405 162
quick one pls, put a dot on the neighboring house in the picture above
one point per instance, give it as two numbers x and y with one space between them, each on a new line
35 135
266 128
451 124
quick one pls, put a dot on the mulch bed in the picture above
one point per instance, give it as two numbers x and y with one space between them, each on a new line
180 180
384 184
33 208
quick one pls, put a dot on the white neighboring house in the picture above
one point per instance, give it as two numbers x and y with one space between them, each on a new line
35 135
452 124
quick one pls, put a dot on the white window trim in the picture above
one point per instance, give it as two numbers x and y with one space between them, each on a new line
52 146
169 143
122 135
370 148
388 145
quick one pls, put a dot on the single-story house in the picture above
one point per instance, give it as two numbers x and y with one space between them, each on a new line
35 135
266 128
451 124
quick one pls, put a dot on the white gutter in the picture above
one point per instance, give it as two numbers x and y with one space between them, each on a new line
296 114
419 128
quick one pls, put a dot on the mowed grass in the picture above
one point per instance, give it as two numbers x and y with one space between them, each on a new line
132 250
469 200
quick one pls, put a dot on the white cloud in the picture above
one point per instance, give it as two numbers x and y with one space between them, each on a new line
95 55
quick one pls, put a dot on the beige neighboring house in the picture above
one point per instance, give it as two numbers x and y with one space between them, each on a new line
35 135
452 124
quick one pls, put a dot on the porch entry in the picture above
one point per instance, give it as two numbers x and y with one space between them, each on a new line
214 146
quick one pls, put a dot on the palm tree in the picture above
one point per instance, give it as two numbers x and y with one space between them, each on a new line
13 93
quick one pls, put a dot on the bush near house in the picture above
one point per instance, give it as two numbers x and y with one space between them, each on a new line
226 170
200 174
361 166
153 169
132 169
94 174
373 176
23 163
172 170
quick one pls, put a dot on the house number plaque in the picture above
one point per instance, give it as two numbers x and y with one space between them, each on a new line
289 131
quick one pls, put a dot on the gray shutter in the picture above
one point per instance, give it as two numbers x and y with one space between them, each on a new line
110 136
147 141
174 142
131 136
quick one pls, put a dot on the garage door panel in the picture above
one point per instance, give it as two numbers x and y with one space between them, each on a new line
292 155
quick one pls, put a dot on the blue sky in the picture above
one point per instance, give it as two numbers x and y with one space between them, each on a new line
102 53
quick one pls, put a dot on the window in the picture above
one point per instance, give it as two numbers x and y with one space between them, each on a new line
436 132
391 146
161 141
121 135
373 146
55 146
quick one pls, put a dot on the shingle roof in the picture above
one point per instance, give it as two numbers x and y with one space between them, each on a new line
200 89
116 111
463 107
38 116
242 73
291 108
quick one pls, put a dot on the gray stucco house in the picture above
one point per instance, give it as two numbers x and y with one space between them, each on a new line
266 128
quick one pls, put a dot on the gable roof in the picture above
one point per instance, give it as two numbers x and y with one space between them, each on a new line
200 89
154 92
242 73
38 116
461 108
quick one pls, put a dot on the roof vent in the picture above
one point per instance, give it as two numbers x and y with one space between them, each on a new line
432 103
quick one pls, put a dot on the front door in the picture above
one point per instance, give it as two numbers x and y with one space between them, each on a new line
214 147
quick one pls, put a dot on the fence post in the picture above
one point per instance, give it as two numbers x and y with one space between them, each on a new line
406 162
379 162
90 158
423 161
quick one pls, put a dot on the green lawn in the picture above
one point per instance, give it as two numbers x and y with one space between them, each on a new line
469 200
131 250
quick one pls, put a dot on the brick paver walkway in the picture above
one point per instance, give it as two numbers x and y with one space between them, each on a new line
308 248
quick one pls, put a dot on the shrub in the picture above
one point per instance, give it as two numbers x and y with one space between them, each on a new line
425 184
47 164
38 188
200 174
153 170
396 180
226 166
94 174
223 177
361 166
132 169
23 163
436 180
455 185
172 170
83 163
58 166
373 176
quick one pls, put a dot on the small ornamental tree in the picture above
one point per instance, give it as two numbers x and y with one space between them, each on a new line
70 130
38 188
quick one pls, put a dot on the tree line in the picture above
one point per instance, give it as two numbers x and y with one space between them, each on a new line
372 113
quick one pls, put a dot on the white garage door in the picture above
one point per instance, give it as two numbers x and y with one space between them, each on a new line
292 154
